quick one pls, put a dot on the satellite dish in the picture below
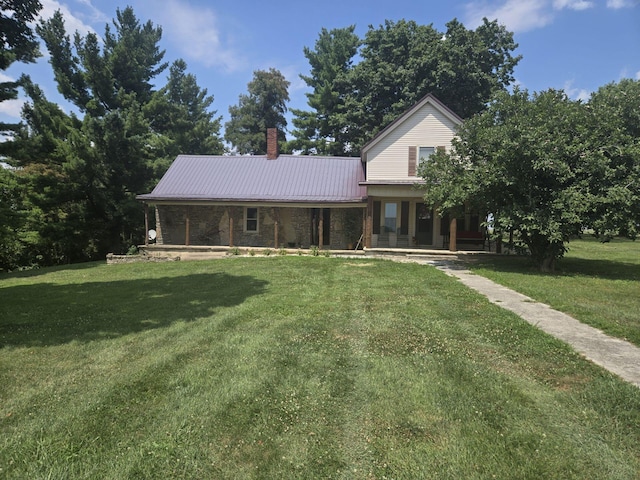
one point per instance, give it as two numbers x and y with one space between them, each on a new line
152 235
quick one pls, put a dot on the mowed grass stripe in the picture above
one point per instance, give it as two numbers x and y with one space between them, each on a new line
289 367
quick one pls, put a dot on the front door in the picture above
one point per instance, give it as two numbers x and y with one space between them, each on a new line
424 225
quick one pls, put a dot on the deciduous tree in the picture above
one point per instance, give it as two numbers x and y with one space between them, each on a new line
400 63
523 159
614 138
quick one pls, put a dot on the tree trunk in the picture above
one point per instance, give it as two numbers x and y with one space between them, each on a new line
543 252
548 264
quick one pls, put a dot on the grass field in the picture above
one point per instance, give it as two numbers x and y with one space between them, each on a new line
293 367
597 283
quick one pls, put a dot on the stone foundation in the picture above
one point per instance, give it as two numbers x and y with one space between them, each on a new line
119 259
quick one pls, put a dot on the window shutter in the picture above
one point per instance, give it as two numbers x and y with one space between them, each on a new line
404 218
377 211
441 149
413 160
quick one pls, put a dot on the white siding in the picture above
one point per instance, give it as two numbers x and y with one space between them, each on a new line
400 191
388 159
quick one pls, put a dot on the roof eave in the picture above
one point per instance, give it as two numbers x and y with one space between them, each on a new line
393 182
191 199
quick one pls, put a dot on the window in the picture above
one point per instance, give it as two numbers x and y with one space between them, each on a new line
390 217
425 153
251 219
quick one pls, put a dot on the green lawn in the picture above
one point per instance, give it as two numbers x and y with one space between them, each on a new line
293 367
597 283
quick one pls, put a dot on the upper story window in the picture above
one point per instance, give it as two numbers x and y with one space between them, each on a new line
251 219
425 153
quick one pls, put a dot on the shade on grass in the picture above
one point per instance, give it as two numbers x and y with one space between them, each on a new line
596 283
293 367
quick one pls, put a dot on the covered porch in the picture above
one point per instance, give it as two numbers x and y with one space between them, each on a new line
256 224
397 217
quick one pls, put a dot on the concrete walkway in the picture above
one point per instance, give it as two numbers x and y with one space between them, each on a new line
617 356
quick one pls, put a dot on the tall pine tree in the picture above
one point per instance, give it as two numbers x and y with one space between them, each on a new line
83 171
322 131
263 107
181 120
18 43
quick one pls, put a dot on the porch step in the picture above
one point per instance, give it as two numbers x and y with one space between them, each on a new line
402 241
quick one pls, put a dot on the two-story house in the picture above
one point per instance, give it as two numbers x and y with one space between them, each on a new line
396 213
277 200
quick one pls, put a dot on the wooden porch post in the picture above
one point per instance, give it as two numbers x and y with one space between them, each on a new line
276 217
321 228
364 227
453 226
230 215
186 228
146 225
369 224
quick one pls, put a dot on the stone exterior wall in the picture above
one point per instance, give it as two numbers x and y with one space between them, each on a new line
346 227
209 225
204 224
301 221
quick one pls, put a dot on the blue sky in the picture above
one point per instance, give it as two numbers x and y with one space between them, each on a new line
575 45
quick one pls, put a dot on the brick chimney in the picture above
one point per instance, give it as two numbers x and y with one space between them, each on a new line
272 143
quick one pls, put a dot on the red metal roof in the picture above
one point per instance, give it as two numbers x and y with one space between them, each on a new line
289 178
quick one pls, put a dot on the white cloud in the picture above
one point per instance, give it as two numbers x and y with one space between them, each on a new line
523 15
617 4
196 33
576 93
11 108
72 22
95 15
516 15
626 72
291 73
6 78
572 4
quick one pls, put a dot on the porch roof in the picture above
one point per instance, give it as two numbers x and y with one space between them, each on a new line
288 178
